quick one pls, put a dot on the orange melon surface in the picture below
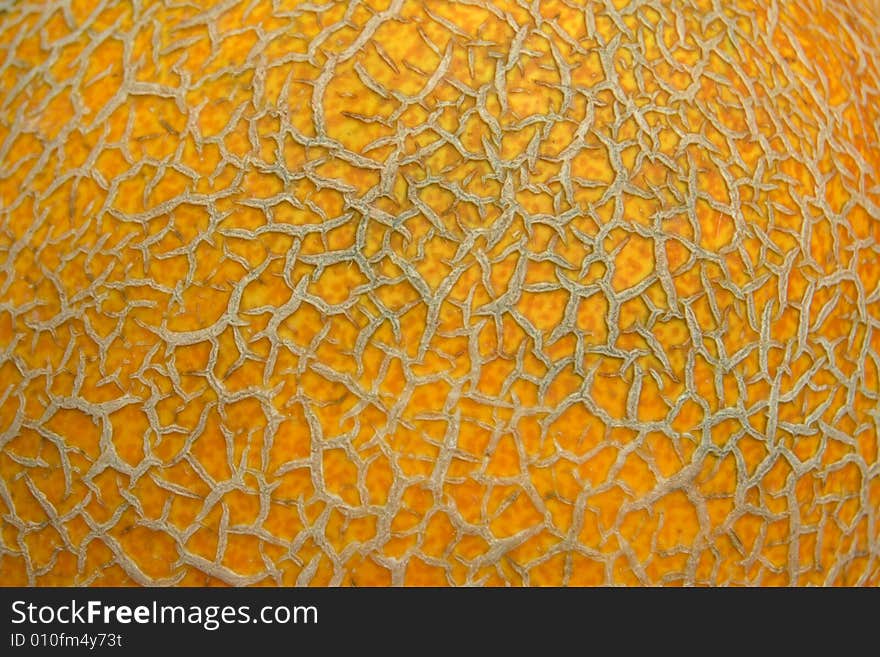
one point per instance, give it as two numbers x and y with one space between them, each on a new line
440 293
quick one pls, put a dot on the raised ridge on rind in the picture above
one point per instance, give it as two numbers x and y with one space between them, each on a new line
470 293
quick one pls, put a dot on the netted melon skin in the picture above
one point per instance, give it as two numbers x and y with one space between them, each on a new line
429 293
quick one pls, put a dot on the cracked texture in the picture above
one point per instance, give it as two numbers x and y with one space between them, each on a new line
439 293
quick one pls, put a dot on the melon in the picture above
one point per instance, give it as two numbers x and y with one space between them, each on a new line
440 293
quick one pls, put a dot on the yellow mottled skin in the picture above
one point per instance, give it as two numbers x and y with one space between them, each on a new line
431 293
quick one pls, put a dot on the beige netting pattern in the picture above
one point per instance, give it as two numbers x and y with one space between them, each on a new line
503 292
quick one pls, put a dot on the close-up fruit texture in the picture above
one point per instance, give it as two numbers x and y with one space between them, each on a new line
416 292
